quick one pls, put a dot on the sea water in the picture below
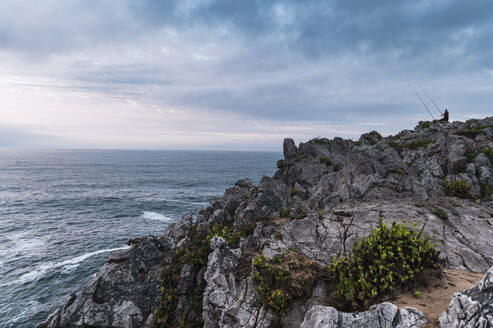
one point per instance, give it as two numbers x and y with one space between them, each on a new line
63 211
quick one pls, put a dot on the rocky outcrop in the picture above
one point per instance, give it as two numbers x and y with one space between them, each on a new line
325 195
221 284
464 238
123 293
471 308
384 315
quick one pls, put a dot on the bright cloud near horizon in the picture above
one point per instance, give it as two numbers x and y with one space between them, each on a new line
223 74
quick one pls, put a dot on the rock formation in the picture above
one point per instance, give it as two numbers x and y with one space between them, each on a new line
324 196
471 308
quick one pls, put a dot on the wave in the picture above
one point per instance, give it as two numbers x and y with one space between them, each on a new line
186 202
157 217
67 266
21 244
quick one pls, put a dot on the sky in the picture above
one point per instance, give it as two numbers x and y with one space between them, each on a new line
235 75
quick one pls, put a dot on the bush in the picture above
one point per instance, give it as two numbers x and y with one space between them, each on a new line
278 234
375 135
270 279
419 144
424 124
284 212
220 230
488 152
194 252
395 145
469 133
326 161
282 279
456 188
388 259
439 213
485 193
321 141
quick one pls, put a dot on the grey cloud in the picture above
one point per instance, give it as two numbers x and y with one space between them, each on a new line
341 61
317 27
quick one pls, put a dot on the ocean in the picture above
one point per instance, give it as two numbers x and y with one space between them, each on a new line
63 211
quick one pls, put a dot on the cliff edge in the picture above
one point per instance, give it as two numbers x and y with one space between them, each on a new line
325 196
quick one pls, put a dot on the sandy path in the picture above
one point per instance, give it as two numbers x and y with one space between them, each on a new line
435 299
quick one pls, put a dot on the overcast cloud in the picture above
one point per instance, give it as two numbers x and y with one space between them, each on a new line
217 74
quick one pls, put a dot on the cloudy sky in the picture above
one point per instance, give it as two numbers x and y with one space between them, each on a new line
226 74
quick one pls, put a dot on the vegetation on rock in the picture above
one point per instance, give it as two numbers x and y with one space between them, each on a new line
456 188
389 259
226 232
284 278
469 133
488 152
422 143
194 252
439 213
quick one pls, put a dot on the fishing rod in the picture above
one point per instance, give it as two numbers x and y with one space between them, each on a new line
432 100
421 99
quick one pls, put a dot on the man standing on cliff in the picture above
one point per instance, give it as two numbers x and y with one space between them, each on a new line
445 116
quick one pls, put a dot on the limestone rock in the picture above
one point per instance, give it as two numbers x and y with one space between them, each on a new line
178 230
384 315
124 291
471 308
221 286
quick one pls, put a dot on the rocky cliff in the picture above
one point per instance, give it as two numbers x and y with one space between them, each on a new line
325 195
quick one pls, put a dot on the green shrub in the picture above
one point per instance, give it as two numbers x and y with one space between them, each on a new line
399 172
456 188
283 279
321 141
375 135
248 229
292 191
270 280
194 252
439 213
221 230
395 145
488 152
278 234
469 133
417 294
398 135
485 193
413 145
388 259
283 212
337 167
424 124
326 161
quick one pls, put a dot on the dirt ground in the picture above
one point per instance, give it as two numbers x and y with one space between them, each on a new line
436 298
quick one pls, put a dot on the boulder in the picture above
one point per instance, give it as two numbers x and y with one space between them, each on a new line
471 308
123 293
384 315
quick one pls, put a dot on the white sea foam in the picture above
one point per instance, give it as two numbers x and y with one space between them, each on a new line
185 201
65 266
21 244
157 217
